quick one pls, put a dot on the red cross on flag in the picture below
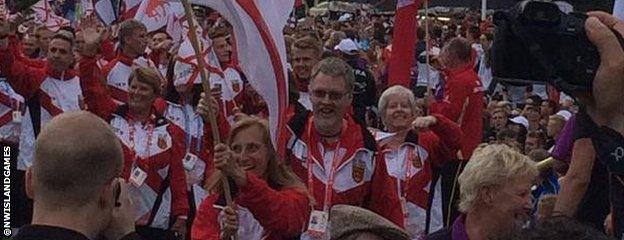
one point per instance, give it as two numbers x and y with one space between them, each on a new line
46 16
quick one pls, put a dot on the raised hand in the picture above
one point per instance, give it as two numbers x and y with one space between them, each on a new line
207 103
230 224
93 37
225 162
604 106
424 122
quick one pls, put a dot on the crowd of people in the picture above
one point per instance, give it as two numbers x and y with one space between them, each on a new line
112 143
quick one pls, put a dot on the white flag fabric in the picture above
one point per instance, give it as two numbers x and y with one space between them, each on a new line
46 16
261 51
156 13
403 3
106 10
186 71
86 7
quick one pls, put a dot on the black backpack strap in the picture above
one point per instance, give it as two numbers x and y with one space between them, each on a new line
434 182
298 121
163 187
34 108
369 140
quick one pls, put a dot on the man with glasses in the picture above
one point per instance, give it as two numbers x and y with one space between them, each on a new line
334 154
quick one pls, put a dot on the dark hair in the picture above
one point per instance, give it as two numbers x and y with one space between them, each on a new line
64 35
505 133
475 32
420 33
539 135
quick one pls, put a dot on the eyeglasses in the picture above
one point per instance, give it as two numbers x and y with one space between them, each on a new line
250 148
333 95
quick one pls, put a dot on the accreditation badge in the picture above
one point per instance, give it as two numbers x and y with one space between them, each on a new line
318 223
137 177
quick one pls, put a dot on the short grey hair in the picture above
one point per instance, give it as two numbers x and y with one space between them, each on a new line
396 90
335 67
127 28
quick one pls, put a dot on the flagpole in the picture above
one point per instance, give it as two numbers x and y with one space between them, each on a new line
201 64
427 46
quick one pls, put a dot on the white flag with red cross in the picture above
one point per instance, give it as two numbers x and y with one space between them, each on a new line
45 15
261 52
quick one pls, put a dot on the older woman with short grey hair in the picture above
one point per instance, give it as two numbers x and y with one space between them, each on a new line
411 147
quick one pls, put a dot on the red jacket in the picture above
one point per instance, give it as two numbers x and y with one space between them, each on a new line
157 150
361 178
435 146
275 214
464 103
57 92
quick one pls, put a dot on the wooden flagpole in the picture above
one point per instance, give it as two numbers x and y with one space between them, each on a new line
201 64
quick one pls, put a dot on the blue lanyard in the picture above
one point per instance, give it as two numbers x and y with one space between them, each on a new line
187 131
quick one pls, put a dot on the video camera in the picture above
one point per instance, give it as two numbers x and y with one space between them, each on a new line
536 42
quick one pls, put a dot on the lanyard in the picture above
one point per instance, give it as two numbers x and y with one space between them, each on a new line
187 131
150 133
329 187
403 189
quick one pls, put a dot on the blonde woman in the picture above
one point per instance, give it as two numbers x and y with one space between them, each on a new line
272 203
495 194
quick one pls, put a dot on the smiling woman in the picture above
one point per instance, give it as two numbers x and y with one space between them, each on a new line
495 194
272 202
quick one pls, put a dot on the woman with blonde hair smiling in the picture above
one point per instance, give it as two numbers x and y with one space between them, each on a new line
495 194
272 203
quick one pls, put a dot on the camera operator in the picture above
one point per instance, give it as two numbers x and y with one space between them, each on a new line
603 123
74 184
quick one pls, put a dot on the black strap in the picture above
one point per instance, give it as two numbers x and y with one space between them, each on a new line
34 108
298 121
163 187
434 182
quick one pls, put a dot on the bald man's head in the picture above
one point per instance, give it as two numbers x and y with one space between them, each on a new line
76 155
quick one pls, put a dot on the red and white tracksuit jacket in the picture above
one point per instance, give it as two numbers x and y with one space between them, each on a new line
463 103
361 178
117 73
57 93
231 87
155 146
198 141
263 213
10 102
410 166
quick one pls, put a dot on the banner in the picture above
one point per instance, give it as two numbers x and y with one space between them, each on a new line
618 9
155 14
107 10
403 43
46 16
261 52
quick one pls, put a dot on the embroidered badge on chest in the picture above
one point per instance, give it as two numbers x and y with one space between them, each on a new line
162 142
414 158
357 171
